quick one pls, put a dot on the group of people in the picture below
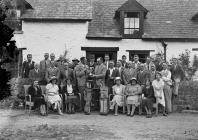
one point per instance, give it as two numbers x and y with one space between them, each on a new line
132 83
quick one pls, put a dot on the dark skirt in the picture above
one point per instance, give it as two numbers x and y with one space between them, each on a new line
38 101
148 102
72 99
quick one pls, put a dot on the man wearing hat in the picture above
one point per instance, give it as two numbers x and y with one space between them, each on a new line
44 65
27 66
75 62
111 73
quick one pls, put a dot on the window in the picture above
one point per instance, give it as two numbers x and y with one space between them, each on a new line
13 20
131 23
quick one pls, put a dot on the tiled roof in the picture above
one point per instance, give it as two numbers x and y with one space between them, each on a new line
59 9
165 19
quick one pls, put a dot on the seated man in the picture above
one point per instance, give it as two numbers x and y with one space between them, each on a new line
36 96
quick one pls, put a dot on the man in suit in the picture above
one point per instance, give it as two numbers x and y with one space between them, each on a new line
75 62
52 71
60 63
81 72
142 75
124 63
35 74
136 61
100 72
106 62
44 65
177 75
111 74
148 63
67 73
120 68
27 66
158 62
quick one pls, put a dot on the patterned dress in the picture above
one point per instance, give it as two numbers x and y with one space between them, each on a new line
133 92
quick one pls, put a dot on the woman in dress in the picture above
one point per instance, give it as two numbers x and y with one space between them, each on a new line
36 96
133 92
118 92
148 98
129 72
71 98
166 77
53 95
158 86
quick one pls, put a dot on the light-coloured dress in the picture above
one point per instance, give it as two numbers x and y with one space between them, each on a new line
166 77
52 93
158 87
118 97
133 92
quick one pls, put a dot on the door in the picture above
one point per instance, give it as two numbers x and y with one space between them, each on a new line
101 51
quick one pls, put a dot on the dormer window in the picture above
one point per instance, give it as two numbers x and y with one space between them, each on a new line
131 15
131 23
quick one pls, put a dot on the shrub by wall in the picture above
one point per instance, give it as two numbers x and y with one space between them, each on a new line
188 96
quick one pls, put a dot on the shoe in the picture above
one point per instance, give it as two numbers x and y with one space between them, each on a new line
60 113
131 115
164 114
128 114
115 114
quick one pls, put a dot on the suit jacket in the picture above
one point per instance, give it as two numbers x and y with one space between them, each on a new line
52 72
177 72
34 75
44 65
110 78
81 75
141 77
158 66
100 72
69 74
26 68
124 65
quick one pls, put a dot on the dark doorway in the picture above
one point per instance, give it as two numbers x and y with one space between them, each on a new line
101 51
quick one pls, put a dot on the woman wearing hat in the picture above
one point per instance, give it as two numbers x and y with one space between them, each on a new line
158 86
133 92
118 92
53 95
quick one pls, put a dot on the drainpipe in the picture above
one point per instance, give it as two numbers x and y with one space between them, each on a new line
164 44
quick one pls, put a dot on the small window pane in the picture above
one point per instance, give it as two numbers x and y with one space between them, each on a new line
126 23
132 23
137 22
131 31
126 31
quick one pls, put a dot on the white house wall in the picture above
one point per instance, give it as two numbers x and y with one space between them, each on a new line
55 37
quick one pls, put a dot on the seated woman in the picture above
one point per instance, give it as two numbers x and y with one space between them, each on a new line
158 86
148 99
133 92
36 96
52 94
118 92
72 99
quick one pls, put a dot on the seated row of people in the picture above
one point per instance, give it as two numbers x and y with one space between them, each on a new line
148 95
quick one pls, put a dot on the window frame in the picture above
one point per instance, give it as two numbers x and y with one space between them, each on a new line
138 34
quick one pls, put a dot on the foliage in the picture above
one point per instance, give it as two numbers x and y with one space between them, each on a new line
184 59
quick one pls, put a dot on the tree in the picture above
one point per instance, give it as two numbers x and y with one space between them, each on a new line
8 49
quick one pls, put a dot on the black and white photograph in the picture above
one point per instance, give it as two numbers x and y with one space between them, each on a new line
98 69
